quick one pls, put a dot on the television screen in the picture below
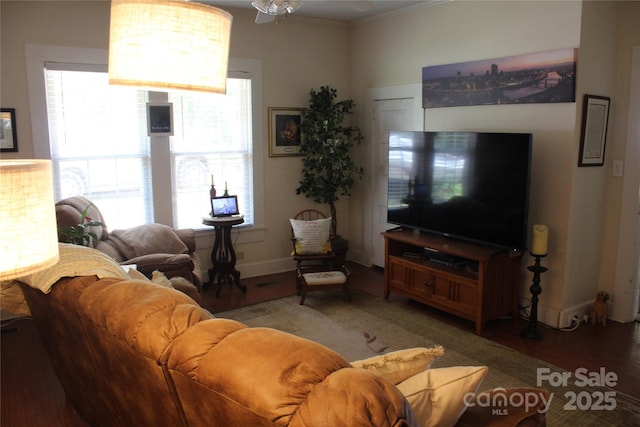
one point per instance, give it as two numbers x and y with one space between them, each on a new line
468 185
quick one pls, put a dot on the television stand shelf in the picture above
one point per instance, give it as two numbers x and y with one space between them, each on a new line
480 286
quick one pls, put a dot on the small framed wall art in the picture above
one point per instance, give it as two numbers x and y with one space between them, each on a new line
593 138
8 133
285 134
160 119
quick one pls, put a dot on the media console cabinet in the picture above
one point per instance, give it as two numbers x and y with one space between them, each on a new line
472 281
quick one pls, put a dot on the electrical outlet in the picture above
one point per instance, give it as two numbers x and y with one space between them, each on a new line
573 319
618 166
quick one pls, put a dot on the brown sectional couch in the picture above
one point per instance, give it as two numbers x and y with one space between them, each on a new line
131 353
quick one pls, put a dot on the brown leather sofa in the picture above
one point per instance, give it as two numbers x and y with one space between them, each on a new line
149 246
131 353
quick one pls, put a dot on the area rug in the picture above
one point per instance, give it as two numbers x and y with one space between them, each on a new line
371 325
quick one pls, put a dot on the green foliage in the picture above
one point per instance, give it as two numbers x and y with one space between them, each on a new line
81 234
328 170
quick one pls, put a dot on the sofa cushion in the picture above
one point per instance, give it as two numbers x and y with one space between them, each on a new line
437 396
397 366
265 377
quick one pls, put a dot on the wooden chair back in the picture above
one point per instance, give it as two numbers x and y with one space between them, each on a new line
309 215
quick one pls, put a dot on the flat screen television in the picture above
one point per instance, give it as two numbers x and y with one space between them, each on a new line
472 186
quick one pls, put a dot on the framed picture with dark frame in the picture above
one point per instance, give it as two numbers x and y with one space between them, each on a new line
8 132
285 134
593 138
160 119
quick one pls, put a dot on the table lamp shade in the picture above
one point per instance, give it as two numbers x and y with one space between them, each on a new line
28 232
169 45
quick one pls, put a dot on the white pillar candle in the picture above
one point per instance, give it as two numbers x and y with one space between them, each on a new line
540 238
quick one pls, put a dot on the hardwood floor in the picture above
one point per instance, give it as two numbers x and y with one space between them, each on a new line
32 396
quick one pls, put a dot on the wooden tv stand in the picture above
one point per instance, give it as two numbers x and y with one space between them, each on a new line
473 281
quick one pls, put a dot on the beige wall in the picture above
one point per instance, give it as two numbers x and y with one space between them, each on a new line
586 217
296 54
396 49
580 205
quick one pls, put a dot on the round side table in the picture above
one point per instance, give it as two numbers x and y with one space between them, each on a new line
223 256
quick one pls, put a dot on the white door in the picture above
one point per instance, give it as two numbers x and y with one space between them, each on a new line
626 284
388 114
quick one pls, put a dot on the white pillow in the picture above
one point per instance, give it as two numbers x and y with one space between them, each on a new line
437 395
75 261
397 366
312 237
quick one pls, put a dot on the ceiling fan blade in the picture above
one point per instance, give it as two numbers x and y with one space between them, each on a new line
264 18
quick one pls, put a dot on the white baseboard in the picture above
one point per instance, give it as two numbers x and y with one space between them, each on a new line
253 269
564 317
557 318
548 315
273 266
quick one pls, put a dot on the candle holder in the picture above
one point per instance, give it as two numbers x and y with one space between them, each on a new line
212 194
531 331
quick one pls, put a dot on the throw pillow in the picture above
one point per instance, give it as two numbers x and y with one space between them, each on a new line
397 366
312 237
437 395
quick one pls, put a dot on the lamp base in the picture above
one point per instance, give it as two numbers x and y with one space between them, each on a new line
531 332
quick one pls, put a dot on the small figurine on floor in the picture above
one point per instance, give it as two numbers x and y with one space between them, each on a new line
599 309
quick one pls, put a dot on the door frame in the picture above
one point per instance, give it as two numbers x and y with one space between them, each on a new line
626 286
371 96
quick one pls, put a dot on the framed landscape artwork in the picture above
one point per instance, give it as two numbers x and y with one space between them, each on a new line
544 77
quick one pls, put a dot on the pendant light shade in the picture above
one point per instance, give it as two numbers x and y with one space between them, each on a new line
28 232
169 45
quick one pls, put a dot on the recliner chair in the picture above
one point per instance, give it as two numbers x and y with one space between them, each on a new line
149 246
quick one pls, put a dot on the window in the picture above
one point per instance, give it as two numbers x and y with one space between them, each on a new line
97 139
99 147
213 137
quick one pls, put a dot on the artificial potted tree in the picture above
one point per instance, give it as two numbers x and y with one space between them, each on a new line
328 171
